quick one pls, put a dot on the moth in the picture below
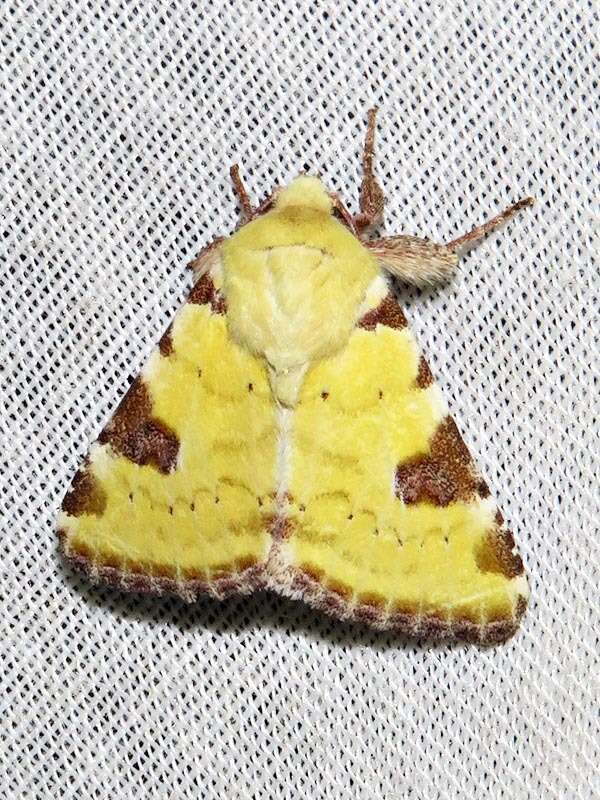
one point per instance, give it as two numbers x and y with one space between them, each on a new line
287 434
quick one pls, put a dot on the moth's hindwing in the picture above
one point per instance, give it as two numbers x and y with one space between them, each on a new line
177 494
388 520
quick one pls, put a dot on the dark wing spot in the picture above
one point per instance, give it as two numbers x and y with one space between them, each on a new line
165 345
136 435
204 292
482 489
424 480
495 554
219 305
339 588
445 475
424 377
85 495
153 444
388 313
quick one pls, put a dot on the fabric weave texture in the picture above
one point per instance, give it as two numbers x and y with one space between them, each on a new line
119 122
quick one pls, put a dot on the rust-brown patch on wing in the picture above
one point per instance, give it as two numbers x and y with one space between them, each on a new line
424 480
312 571
445 475
204 292
339 588
496 554
165 344
388 313
85 495
482 489
372 599
424 377
136 435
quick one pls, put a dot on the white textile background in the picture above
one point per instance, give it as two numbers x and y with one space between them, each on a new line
119 121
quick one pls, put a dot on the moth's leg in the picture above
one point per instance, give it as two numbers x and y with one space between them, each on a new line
482 230
347 217
206 258
242 194
413 260
266 204
421 262
371 194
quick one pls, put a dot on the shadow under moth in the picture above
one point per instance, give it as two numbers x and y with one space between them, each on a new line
287 434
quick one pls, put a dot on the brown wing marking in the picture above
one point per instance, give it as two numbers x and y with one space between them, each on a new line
447 475
136 435
165 344
85 495
424 376
388 313
204 292
497 554
444 475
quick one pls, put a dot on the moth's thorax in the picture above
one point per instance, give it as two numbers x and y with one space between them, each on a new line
294 280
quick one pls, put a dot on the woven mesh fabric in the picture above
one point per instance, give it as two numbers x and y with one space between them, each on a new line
118 124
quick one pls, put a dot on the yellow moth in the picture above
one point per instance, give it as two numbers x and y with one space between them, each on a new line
287 434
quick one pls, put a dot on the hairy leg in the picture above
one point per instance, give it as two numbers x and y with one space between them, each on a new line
242 194
482 230
423 263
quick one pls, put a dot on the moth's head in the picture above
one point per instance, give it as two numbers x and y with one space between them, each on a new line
306 193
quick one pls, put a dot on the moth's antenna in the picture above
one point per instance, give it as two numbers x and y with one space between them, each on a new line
490 225
369 146
242 194
371 194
